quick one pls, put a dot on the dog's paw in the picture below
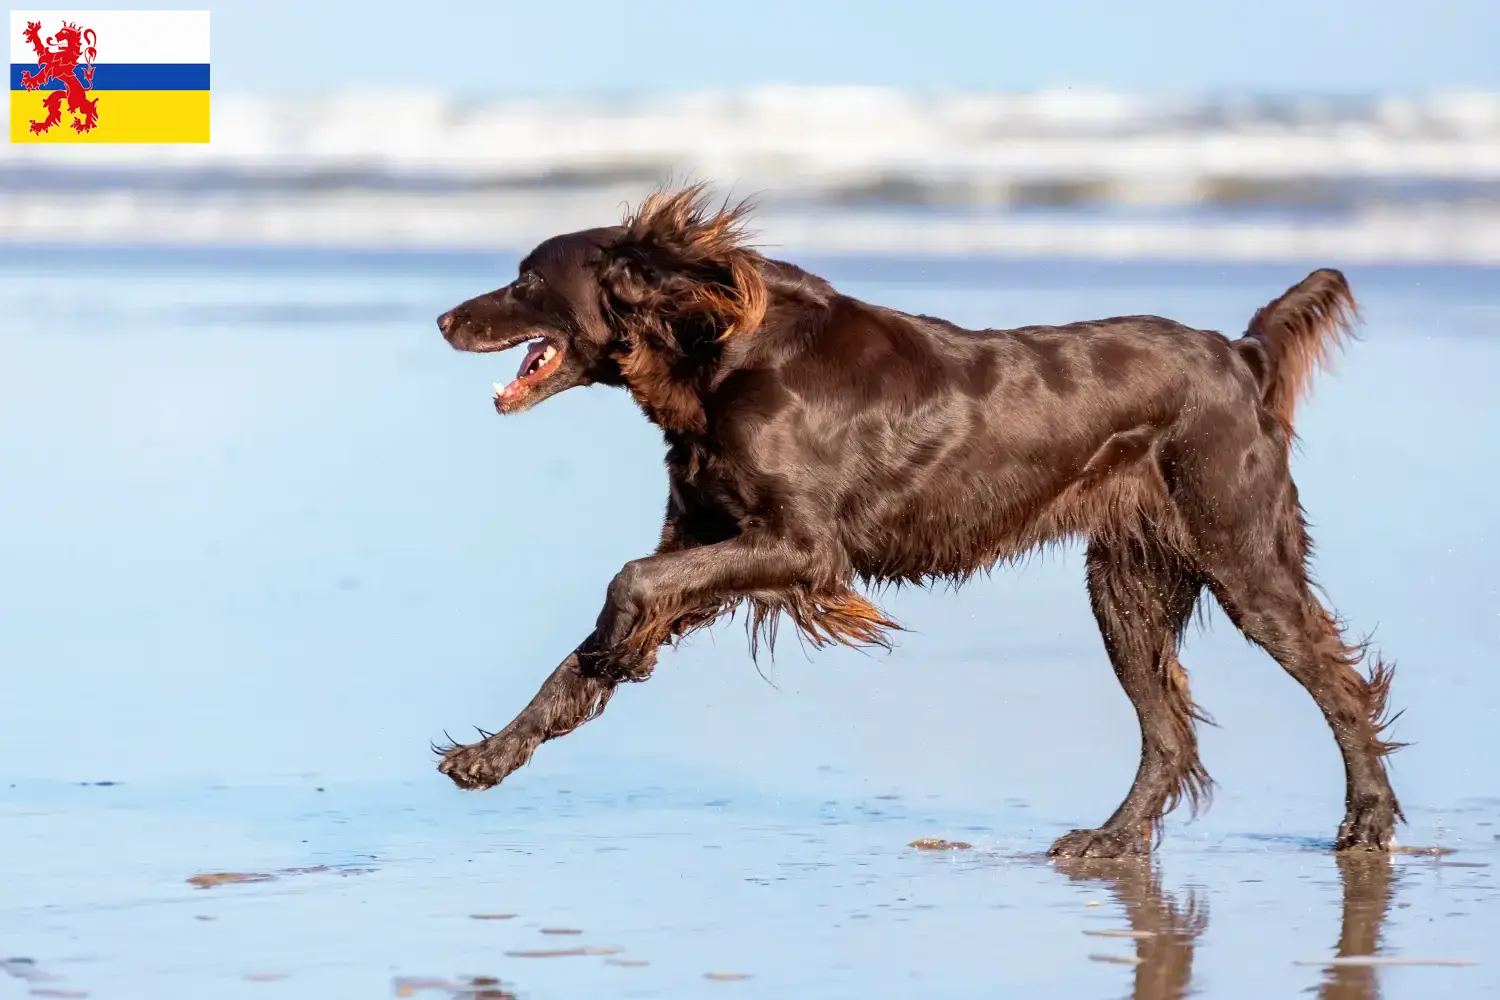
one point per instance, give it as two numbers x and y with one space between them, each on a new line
1371 828
1097 844
487 763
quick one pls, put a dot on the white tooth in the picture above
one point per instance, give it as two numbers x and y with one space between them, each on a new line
548 354
499 388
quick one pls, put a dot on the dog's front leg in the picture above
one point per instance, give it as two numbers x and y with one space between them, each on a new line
649 601
568 698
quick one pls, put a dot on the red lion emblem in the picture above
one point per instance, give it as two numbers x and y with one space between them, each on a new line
57 59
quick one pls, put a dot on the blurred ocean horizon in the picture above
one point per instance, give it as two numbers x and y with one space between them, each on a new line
1376 179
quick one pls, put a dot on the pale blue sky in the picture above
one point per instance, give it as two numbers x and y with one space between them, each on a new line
609 46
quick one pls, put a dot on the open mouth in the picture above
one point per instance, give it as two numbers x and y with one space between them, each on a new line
541 360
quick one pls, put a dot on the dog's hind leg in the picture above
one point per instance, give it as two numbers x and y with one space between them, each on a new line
1257 572
1143 596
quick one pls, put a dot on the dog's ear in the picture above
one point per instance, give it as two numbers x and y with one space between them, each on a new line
625 282
688 265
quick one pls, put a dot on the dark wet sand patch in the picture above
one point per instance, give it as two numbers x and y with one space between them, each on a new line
727 977
27 970
410 986
561 930
208 880
1424 852
563 952
492 916
938 844
320 869
628 963
1116 959
471 988
265 977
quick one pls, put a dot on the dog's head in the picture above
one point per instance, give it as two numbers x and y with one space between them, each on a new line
646 304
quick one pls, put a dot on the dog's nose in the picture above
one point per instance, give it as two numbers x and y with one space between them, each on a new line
446 320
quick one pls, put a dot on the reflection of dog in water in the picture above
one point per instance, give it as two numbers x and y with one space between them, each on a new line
1166 931
1365 881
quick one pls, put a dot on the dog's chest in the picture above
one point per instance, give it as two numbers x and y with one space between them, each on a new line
712 504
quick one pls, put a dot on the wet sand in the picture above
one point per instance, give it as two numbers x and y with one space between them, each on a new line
779 894
272 540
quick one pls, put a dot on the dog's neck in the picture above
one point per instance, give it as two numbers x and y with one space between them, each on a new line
667 387
670 373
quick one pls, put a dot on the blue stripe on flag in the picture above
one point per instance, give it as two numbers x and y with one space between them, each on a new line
128 76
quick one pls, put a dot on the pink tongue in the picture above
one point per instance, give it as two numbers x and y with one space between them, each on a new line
537 350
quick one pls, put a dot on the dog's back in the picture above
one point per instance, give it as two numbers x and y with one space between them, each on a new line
975 446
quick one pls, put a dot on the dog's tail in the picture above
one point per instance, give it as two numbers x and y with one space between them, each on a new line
1293 336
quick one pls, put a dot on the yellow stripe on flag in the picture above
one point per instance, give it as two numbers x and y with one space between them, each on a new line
124 116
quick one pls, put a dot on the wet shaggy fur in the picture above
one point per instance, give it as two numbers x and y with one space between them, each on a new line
816 443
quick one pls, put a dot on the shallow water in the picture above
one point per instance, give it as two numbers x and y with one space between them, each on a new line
263 538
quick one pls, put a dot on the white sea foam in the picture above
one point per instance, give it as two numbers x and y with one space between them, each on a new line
837 169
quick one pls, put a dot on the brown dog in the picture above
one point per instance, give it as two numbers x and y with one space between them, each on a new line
814 440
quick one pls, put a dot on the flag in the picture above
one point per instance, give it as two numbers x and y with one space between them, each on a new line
84 76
